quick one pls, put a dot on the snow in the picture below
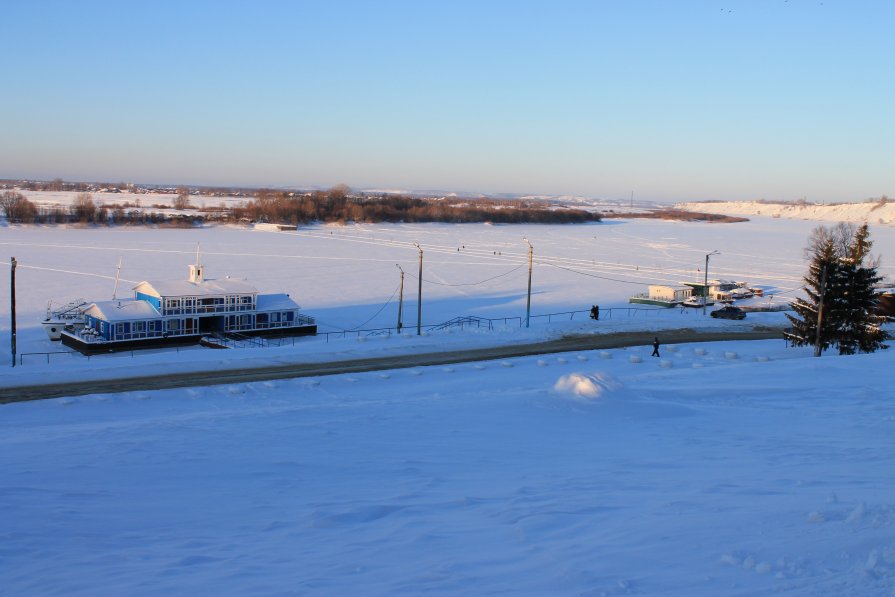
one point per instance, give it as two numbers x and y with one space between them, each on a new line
875 212
721 468
122 310
145 201
182 287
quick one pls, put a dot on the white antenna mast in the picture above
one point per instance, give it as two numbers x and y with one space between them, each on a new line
117 274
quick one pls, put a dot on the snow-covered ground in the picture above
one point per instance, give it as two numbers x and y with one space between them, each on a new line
720 468
880 213
723 469
147 200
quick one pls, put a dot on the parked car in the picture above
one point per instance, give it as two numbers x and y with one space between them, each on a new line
729 312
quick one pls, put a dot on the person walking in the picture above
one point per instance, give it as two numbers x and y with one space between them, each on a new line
595 312
655 347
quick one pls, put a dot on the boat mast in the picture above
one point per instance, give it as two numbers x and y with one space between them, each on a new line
117 274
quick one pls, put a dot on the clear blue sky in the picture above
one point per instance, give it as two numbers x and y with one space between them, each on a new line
732 99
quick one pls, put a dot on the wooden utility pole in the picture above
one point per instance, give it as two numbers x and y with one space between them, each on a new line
419 296
820 310
12 311
705 285
528 300
400 299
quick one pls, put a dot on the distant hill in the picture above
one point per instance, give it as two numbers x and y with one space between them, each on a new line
876 211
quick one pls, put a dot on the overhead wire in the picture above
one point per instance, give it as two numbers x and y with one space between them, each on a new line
410 275
375 315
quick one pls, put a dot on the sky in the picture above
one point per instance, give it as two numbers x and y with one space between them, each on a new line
765 99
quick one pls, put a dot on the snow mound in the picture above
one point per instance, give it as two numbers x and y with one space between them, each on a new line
585 386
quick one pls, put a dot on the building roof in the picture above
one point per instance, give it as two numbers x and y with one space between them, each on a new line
175 288
122 310
275 302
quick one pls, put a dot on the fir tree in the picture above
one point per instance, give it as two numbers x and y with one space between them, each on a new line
861 329
821 284
839 286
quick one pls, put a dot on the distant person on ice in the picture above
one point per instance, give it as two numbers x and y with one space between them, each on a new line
655 347
595 312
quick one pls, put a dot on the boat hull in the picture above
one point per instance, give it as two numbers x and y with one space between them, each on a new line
90 347
55 327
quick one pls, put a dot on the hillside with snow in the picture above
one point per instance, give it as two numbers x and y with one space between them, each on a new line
718 468
876 212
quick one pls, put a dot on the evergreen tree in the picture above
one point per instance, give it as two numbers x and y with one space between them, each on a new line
821 284
861 329
839 286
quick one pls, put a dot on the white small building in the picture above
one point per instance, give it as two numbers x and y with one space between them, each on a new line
663 295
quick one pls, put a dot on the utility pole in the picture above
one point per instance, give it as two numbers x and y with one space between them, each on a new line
705 286
419 295
528 300
12 302
820 310
400 298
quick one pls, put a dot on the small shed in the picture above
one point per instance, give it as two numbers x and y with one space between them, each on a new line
663 295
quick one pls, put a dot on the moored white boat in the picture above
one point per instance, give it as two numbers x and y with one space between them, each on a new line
70 315
698 301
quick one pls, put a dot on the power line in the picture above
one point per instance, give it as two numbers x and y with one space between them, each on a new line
471 283
375 315
593 275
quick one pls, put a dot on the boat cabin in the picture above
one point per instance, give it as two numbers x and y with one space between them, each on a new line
182 311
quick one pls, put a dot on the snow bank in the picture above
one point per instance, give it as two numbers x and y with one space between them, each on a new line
585 386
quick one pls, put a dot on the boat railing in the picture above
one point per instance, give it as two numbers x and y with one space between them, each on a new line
70 310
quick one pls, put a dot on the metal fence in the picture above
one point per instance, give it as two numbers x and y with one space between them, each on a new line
489 323
46 355
605 313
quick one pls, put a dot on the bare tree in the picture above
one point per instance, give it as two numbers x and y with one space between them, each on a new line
17 208
182 201
83 209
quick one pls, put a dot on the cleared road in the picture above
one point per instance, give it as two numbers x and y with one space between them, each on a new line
210 378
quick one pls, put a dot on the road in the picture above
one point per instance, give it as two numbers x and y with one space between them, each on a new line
208 378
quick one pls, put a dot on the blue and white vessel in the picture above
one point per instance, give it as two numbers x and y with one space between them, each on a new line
171 312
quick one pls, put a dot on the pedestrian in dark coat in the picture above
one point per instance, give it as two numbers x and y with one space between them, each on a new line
595 312
655 347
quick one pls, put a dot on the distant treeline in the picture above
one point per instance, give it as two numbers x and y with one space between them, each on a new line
275 207
336 205
19 209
